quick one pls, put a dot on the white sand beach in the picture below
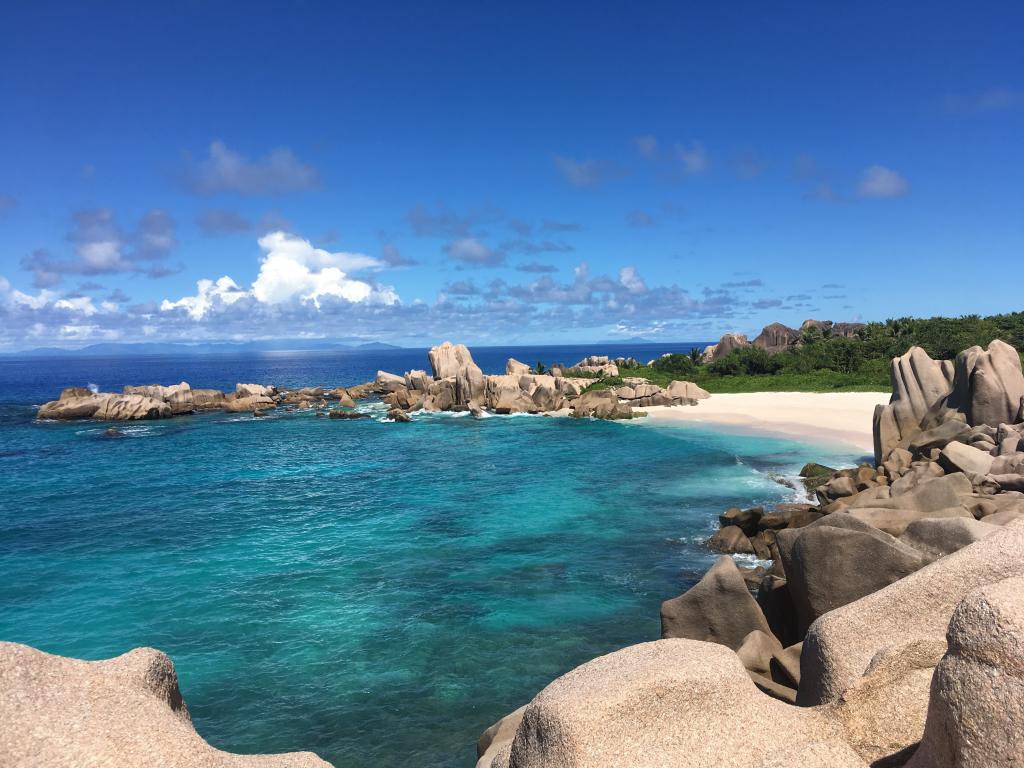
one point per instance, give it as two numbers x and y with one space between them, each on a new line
833 416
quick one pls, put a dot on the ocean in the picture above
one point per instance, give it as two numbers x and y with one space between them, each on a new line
378 593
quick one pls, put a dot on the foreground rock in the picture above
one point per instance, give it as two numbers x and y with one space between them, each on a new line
126 711
673 703
105 406
976 704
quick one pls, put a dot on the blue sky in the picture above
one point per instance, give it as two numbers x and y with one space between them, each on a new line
535 172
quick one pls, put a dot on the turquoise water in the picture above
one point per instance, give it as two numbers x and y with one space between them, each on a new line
377 593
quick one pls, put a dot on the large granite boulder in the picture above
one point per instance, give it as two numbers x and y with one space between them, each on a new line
673 703
599 364
938 537
686 391
777 337
249 404
453 361
837 560
132 408
513 366
976 705
937 497
498 737
912 612
719 608
388 382
988 386
254 390
207 399
123 712
178 396
918 383
74 404
601 404
729 343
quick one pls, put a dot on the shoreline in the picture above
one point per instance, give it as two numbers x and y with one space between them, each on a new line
818 417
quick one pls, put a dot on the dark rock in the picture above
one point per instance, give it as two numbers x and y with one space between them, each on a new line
339 413
731 540
746 519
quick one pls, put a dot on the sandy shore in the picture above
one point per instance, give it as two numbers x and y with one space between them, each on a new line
826 417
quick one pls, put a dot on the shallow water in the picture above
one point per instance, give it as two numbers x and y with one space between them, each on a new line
375 592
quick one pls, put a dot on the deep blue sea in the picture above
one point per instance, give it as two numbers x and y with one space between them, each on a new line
378 593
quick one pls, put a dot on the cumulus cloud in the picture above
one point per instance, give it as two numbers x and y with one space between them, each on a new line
877 181
583 173
209 294
470 251
224 170
291 271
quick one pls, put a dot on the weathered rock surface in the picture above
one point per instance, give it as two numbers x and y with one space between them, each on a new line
936 538
719 609
976 704
669 703
178 396
840 645
249 404
837 560
515 367
498 737
122 712
254 390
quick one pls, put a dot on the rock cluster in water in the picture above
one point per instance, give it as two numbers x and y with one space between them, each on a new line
888 630
456 383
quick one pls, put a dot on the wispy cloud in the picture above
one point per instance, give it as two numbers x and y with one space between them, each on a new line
584 173
991 100
224 170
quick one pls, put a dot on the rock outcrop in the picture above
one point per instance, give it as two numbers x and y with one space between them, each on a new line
777 337
104 406
729 343
976 703
122 712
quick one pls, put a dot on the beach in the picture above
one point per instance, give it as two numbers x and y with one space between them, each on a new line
820 416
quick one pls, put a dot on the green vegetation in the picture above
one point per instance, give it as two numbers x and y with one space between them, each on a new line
826 363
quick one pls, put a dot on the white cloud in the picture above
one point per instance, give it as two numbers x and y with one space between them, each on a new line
81 304
291 271
208 294
630 279
880 182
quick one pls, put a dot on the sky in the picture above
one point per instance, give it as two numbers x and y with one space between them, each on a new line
503 173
